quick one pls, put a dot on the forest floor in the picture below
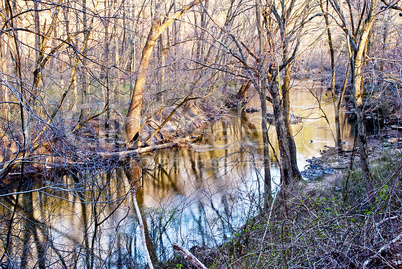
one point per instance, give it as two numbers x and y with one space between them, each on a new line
327 220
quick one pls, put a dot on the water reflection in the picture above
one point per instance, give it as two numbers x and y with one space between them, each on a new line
196 196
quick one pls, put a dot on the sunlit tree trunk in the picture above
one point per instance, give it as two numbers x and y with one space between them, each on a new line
333 75
358 89
284 24
358 41
242 93
84 72
162 62
76 43
106 66
4 91
30 97
133 119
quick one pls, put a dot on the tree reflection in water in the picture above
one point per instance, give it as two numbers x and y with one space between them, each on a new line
199 196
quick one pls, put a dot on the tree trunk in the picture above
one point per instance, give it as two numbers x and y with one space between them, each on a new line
161 55
84 74
289 135
286 170
264 121
357 84
361 129
133 119
336 101
4 97
357 41
242 93
265 140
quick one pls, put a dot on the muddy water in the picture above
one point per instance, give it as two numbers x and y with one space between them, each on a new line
197 196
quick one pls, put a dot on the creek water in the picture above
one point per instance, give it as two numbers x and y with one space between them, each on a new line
199 196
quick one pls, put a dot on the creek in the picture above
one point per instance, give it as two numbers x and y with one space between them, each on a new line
199 196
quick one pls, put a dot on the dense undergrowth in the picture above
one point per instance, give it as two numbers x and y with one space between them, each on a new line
330 224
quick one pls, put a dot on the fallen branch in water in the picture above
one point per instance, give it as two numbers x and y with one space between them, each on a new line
83 159
126 153
185 142
189 256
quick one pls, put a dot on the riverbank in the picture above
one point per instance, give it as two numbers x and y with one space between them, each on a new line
278 237
327 221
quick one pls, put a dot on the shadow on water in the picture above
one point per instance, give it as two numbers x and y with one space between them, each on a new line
197 196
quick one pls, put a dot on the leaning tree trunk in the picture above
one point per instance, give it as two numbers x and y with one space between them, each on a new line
133 120
242 93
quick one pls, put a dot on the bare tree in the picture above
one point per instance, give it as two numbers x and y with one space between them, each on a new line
133 121
357 32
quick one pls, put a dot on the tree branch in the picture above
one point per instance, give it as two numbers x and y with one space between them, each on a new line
189 256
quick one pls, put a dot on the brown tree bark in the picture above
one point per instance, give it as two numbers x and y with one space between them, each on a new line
242 93
280 95
286 170
291 145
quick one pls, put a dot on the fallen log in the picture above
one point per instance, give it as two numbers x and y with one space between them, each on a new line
82 159
189 256
127 153
181 143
